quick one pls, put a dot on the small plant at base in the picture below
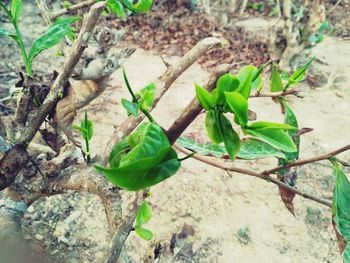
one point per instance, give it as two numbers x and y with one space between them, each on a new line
144 214
56 32
86 130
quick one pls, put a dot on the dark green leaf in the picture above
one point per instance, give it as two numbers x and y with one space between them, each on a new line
239 106
144 233
131 107
119 150
231 139
276 81
226 82
245 76
116 7
205 98
144 214
56 32
341 207
299 74
212 125
276 137
16 10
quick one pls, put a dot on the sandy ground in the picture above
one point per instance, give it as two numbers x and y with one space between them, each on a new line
234 218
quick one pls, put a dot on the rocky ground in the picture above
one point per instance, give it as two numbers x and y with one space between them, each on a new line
202 213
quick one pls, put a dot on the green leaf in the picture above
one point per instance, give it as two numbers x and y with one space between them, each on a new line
131 107
4 32
144 214
201 148
205 98
147 95
116 7
231 139
291 119
299 74
144 233
276 81
265 125
245 76
16 10
212 126
56 32
341 207
143 5
239 106
250 149
134 180
82 131
226 82
87 125
275 137
142 159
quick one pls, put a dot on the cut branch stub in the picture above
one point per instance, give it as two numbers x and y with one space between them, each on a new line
11 164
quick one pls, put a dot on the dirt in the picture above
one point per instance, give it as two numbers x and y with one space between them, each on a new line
228 217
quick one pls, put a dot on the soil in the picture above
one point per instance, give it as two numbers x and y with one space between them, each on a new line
205 214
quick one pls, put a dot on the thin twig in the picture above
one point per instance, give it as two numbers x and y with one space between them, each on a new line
310 160
71 8
274 94
268 178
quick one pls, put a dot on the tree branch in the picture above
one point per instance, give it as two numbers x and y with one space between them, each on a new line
80 44
163 84
310 160
275 94
71 8
263 176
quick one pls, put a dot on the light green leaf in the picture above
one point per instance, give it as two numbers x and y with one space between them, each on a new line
341 207
291 119
87 125
265 125
226 82
239 106
56 32
231 139
212 126
131 107
276 81
299 74
143 5
116 7
144 233
275 137
4 32
245 76
82 131
205 98
16 10
147 95
250 149
144 214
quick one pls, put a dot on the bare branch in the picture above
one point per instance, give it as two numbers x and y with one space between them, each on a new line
310 160
266 177
275 94
71 8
